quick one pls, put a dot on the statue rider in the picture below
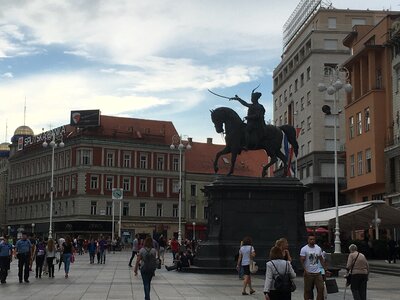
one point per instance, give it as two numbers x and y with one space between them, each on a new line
255 120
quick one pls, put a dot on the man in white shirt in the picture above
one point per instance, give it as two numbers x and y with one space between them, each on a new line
310 255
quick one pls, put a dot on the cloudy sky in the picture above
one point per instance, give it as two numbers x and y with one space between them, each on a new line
150 59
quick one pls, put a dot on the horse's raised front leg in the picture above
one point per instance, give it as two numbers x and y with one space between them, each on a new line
218 155
265 168
233 161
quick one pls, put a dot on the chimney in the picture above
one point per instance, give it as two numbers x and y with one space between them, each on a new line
209 141
190 140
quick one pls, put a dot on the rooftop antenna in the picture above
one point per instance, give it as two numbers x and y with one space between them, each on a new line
25 111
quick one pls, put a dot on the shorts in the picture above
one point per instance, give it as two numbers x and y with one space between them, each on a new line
246 270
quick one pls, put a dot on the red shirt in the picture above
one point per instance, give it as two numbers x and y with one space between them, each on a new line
174 245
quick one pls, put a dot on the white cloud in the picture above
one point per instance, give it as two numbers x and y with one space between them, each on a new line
7 75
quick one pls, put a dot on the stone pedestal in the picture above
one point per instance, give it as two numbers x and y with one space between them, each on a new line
265 209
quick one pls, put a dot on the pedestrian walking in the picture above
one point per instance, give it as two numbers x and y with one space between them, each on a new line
147 259
23 250
50 257
246 254
162 244
358 268
277 266
92 249
310 255
102 250
135 249
67 253
40 254
5 258
174 247
391 250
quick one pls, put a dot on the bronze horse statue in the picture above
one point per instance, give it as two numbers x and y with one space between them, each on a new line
235 128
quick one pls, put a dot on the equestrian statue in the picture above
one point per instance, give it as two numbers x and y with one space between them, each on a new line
253 135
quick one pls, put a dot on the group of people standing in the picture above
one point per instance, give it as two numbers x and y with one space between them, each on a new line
44 253
279 274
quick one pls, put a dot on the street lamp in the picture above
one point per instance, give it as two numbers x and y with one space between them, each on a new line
33 227
52 145
9 230
194 231
178 143
334 76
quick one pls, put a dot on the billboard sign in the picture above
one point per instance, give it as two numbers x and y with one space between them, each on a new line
85 118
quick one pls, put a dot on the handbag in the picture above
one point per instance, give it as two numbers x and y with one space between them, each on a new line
253 266
331 286
348 275
72 259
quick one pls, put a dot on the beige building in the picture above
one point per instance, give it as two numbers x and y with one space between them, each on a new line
313 41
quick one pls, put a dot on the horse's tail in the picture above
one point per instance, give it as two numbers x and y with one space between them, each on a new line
290 132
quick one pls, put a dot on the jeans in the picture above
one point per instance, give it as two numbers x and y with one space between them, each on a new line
67 262
146 277
23 265
39 265
50 266
359 286
91 256
102 256
4 267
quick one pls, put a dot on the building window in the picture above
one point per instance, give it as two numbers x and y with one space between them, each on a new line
296 85
309 147
367 119
359 123
143 185
86 157
285 96
93 207
127 160
330 44
193 211
205 212
308 73
309 98
175 163
94 182
359 163
352 166
160 185
73 183
126 183
159 210
109 182
160 162
331 23
175 186
109 208
143 161
193 190
351 127
110 159
67 159
125 209
302 103
302 79
358 21
175 210
368 165
142 211
309 123
302 127
66 184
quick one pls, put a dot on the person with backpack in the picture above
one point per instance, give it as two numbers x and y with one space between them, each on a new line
50 256
278 276
40 254
147 259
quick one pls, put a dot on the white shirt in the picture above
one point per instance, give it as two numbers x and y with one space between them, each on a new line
270 272
246 251
312 256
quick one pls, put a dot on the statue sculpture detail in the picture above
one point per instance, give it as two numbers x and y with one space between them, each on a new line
254 135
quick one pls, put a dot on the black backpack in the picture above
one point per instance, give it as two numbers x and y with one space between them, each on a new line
283 282
150 262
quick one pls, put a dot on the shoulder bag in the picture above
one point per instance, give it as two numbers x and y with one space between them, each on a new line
348 275
253 266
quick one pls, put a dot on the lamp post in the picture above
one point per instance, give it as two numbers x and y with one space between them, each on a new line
181 145
9 230
33 227
194 231
334 76
52 145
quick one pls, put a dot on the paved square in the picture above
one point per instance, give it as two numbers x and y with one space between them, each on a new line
115 280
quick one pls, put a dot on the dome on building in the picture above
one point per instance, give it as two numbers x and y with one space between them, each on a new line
4 147
23 130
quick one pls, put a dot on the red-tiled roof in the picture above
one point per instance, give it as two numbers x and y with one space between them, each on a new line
145 131
200 159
